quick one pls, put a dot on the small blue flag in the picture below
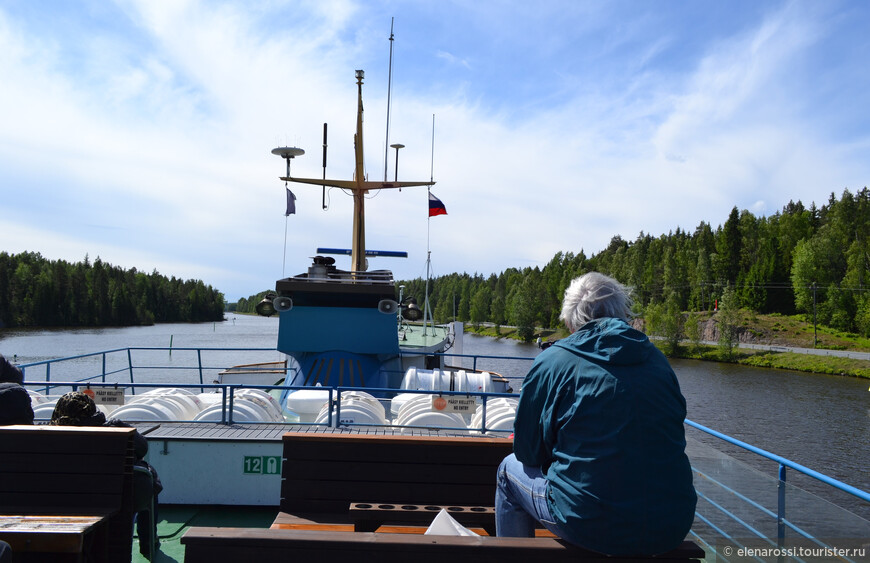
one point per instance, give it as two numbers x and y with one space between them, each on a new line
291 202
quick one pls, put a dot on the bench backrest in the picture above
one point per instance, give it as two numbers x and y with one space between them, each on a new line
326 472
64 470
69 470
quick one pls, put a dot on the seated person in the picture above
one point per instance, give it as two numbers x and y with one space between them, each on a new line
5 552
15 407
78 409
599 445
10 373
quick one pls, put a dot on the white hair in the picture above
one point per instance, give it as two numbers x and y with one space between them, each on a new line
594 296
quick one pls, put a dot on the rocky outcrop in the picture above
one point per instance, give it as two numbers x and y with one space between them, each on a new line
710 332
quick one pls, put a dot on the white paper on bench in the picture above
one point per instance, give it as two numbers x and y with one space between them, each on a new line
446 525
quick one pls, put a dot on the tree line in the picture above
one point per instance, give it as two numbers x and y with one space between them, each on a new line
812 260
799 260
35 291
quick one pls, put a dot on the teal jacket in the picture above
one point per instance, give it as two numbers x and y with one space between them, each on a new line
601 413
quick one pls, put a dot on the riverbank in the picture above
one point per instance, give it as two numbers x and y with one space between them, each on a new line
830 365
757 331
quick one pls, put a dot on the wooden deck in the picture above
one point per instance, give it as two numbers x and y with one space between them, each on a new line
261 432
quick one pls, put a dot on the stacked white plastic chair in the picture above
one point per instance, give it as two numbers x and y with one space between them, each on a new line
43 406
500 415
249 405
356 407
417 411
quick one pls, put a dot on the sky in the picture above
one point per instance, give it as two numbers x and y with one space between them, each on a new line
140 131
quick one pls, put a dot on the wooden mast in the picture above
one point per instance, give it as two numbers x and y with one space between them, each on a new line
359 186
358 251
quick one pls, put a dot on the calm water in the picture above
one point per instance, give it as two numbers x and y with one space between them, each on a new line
822 422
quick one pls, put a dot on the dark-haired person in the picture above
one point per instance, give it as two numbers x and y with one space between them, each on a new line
78 409
15 407
5 552
599 444
10 373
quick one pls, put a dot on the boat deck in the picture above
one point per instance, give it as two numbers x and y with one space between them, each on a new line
216 431
174 520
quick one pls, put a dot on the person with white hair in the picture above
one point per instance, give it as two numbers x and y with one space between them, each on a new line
599 444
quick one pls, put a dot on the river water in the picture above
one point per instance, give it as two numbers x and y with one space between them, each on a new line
822 422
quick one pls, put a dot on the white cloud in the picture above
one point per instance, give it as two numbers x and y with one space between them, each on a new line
148 139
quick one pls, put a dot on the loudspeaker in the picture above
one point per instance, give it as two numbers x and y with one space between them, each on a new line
282 303
387 306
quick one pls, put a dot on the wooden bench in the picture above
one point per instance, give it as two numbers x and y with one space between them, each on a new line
337 488
214 545
66 493
370 480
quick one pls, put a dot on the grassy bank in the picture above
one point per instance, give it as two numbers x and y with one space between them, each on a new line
831 365
771 330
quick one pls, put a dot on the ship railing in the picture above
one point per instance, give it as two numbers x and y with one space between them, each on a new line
126 364
371 277
334 417
744 513
477 359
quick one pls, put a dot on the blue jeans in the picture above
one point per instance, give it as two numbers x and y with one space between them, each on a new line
521 500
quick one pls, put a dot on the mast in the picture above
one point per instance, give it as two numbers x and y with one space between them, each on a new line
358 251
389 90
359 186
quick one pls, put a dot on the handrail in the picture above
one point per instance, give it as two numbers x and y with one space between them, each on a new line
863 495
482 357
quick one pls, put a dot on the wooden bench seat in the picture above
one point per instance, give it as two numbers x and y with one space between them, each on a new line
66 493
328 478
211 545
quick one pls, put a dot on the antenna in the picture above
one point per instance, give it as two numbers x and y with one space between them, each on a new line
432 164
324 166
389 89
288 154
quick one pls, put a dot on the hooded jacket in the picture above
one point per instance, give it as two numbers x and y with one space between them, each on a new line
15 407
601 413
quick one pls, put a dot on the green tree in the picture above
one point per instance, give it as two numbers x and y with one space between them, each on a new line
728 319
523 304
480 305
728 246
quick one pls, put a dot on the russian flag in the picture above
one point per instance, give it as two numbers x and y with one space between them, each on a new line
435 206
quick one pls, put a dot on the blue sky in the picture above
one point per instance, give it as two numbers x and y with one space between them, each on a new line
140 130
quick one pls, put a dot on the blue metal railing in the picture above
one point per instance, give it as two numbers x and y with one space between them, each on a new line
783 524
129 366
476 357
784 463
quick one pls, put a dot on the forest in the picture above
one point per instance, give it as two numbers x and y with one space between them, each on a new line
812 260
35 291
808 260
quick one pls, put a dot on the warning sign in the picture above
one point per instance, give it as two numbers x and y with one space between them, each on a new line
461 405
106 395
